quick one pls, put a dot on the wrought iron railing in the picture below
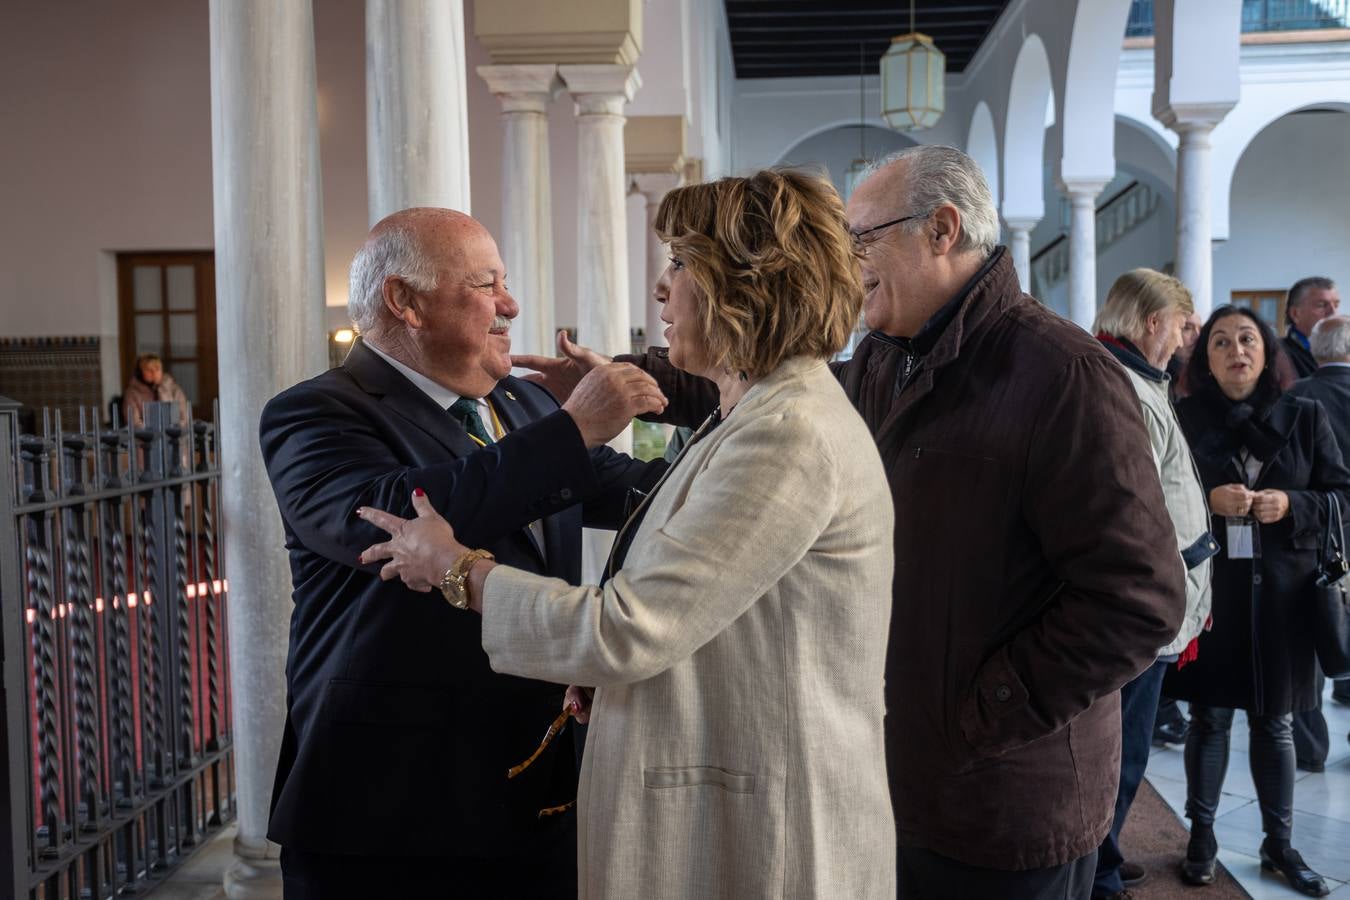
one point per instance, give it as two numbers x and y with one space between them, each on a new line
116 747
1116 217
1261 16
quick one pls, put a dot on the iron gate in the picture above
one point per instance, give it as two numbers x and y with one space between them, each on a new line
116 744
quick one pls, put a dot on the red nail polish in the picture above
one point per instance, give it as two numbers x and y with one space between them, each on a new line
418 492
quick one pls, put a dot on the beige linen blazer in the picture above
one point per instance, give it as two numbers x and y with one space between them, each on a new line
735 747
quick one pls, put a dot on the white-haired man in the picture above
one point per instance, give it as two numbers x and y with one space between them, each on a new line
1329 344
393 779
1032 579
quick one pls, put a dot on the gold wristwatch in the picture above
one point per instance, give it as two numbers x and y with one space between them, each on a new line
455 582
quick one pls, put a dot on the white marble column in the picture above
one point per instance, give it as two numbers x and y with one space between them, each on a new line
270 312
1195 255
1019 244
1083 249
417 126
653 187
600 92
526 237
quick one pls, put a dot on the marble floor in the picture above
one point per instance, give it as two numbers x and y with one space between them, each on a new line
1321 822
202 877
1321 810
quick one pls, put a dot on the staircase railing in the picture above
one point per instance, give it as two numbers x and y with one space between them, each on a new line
1118 216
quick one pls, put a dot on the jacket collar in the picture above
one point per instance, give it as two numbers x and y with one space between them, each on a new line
379 379
990 289
1333 373
789 370
1129 356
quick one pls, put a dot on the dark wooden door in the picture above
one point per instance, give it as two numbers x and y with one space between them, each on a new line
167 305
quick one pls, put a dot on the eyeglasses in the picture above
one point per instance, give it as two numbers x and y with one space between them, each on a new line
554 729
860 246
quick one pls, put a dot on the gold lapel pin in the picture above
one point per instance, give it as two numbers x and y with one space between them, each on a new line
510 396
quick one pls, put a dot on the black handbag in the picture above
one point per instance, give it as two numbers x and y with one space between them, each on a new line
1331 603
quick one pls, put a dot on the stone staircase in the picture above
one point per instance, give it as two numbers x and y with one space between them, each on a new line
1117 217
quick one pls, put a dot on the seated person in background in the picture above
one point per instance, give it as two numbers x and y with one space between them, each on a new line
151 384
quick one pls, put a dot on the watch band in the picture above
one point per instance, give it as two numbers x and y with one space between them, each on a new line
454 583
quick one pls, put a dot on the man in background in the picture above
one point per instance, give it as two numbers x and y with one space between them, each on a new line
1330 385
1310 301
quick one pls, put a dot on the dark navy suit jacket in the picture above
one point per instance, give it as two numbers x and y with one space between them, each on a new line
1330 386
398 733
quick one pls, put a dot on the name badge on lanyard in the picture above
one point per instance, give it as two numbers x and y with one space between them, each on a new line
1242 540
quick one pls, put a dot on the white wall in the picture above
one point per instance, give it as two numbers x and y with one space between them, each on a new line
1289 207
108 147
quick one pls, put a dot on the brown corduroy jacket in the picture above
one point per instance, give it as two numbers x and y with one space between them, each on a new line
1036 572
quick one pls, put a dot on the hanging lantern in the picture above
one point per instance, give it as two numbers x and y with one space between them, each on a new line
912 75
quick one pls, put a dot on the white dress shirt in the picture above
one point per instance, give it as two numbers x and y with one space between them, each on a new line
445 398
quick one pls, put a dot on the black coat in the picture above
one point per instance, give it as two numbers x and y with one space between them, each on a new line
1258 655
1330 386
398 733
1301 357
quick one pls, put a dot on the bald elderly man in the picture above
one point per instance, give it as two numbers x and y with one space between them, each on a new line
392 778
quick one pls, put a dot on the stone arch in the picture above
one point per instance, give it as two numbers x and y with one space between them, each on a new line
982 145
836 147
1030 91
1287 195
1087 124
1235 135
846 124
1145 152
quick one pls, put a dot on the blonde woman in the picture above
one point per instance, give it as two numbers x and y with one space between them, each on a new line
736 745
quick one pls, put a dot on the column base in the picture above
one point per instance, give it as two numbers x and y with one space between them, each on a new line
255 873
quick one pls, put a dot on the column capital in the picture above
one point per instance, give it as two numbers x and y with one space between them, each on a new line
1182 117
601 81
1079 189
522 88
1021 223
521 79
542 31
654 144
655 185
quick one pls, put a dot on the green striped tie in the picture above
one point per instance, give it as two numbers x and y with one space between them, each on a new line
465 412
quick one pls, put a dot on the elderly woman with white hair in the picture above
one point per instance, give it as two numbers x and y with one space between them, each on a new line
1141 326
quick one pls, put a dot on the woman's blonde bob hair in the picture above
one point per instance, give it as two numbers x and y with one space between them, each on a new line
773 264
1135 296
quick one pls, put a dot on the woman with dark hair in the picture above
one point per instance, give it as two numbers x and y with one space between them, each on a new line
1266 459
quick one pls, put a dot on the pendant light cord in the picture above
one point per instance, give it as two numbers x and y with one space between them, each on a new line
862 115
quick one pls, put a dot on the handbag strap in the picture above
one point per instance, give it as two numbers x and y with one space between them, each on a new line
1334 541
